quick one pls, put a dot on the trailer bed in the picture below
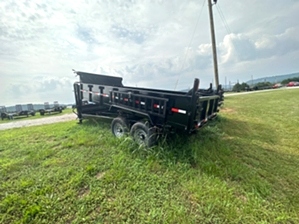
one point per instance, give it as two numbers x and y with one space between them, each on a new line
151 109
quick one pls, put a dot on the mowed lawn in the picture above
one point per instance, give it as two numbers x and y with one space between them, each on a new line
243 168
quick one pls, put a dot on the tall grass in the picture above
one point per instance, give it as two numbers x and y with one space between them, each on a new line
243 168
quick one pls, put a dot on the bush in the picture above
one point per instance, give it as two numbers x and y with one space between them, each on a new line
286 81
240 87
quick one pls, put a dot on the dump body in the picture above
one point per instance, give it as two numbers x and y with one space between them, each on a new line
19 111
49 110
105 96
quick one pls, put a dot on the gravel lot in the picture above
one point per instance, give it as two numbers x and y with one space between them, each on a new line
41 121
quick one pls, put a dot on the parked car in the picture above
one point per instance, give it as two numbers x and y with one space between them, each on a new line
290 84
277 85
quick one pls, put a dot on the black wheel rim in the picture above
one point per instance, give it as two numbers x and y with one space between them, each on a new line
118 130
140 136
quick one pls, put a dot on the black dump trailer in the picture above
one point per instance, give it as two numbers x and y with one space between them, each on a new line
22 111
48 109
3 112
145 113
19 111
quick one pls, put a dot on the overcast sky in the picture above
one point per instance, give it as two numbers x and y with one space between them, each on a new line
152 44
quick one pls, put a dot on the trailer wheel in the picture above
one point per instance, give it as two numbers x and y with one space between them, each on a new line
119 127
144 135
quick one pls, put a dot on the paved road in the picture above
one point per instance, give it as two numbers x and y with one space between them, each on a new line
259 91
40 121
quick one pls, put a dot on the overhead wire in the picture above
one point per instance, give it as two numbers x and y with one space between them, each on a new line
190 43
223 19
226 26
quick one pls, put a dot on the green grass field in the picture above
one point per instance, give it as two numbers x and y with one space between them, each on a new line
243 168
37 115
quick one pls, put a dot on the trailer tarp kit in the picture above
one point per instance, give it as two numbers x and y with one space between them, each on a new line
144 113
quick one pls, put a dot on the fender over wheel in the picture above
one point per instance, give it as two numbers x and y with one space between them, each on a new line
119 127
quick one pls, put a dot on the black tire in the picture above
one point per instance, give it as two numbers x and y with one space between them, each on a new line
42 113
144 135
119 127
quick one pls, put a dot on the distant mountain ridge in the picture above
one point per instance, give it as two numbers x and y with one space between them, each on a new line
273 79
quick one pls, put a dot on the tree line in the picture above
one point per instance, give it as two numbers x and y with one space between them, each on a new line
260 85
286 81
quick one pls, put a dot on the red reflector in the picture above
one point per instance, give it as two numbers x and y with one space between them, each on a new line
137 101
126 99
156 105
175 110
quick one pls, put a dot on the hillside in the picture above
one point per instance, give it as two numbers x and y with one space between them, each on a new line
273 79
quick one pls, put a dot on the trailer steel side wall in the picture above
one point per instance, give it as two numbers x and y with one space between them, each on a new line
100 95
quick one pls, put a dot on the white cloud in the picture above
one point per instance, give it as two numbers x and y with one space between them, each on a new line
148 43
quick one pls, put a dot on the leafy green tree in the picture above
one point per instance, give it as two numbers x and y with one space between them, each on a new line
240 87
263 84
237 87
286 81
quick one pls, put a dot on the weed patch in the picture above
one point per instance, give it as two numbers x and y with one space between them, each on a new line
242 168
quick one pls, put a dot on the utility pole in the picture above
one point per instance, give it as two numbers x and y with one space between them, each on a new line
213 43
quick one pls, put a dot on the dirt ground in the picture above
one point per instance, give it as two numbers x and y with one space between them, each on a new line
34 122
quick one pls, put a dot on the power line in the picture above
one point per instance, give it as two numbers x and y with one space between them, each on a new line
190 44
223 19
226 26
